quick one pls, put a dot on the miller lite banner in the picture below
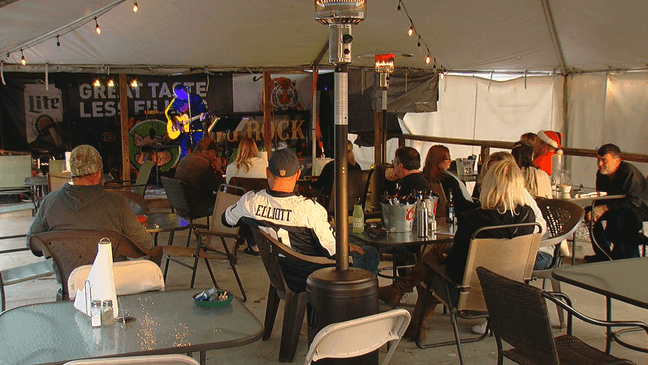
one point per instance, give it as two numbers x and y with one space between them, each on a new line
43 110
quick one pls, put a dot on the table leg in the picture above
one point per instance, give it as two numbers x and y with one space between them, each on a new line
203 357
608 329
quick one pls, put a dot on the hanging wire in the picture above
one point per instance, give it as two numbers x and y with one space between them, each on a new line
412 30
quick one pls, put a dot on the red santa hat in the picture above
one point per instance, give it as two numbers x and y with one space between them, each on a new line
553 139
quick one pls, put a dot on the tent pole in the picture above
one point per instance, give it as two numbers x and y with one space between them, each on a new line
554 36
267 112
123 126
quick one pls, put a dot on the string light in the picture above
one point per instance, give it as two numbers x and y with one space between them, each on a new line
111 83
96 83
23 61
420 43
134 83
135 7
97 28
58 40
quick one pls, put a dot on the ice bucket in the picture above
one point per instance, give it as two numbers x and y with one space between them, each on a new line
399 217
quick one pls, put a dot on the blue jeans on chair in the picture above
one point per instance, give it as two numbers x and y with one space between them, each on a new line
368 261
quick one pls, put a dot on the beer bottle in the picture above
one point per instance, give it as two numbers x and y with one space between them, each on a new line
451 208
358 218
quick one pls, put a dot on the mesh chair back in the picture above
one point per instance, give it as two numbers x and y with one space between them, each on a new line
518 315
176 193
357 187
131 277
74 248
511 257
562 217
249 183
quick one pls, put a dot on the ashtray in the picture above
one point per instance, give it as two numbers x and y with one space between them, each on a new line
221 298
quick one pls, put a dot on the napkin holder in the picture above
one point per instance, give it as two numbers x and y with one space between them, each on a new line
100 283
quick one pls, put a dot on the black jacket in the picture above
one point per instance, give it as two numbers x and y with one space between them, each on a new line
626 180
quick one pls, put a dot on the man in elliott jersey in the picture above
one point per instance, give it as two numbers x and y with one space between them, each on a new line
296 221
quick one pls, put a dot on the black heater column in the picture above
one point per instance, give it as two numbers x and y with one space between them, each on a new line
341 293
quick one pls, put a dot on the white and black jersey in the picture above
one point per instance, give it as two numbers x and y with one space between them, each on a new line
294 220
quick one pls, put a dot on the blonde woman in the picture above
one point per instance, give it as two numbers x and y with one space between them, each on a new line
502 202
247 163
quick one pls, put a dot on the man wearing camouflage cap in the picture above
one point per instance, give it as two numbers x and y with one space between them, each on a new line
84 204
298 222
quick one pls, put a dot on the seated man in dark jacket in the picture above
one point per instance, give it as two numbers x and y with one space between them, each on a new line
624 217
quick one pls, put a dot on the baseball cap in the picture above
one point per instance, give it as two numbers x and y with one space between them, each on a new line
207 144
283 163
85 160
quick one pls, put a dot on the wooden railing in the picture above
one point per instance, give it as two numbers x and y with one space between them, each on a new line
486 145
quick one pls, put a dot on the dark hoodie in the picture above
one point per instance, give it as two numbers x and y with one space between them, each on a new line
90 208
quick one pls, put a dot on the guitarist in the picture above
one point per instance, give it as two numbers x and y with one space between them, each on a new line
184 106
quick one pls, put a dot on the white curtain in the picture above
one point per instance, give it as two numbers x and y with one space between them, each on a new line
606 108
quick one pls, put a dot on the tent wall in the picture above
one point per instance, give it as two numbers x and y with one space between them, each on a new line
601 108
606 108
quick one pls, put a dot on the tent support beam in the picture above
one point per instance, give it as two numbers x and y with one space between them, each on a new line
554 36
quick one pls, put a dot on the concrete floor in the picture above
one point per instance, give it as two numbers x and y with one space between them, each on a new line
256 284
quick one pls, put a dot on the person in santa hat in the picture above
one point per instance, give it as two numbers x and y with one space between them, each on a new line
545 146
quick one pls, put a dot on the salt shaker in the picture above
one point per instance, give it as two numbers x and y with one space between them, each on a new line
107 316
95 313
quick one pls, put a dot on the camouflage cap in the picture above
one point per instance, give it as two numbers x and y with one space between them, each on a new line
85 160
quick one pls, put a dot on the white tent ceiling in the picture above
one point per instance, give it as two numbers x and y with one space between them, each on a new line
592 35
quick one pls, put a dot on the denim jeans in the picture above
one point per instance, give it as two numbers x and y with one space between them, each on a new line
543 261
368 261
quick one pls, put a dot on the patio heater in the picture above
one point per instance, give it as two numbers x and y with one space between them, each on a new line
341 293
384 66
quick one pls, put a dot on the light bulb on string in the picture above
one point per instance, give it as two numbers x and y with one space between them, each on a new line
96 83
135 7
419 44
410 31
134 83
428 59
111 83
23 61
398 8
58 40
97 27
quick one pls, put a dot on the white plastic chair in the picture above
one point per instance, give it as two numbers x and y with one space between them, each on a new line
360 336
151 359
131 277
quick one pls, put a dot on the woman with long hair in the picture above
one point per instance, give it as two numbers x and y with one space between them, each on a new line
437 163
502 202
537 182
247 162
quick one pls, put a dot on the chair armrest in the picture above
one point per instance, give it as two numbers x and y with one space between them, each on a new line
558 299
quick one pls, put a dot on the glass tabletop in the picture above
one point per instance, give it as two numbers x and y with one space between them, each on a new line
443 234
163 222
166 322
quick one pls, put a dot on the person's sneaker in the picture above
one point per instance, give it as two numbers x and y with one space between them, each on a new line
480 329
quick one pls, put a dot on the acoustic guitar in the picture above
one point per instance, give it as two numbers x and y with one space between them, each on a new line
182 123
